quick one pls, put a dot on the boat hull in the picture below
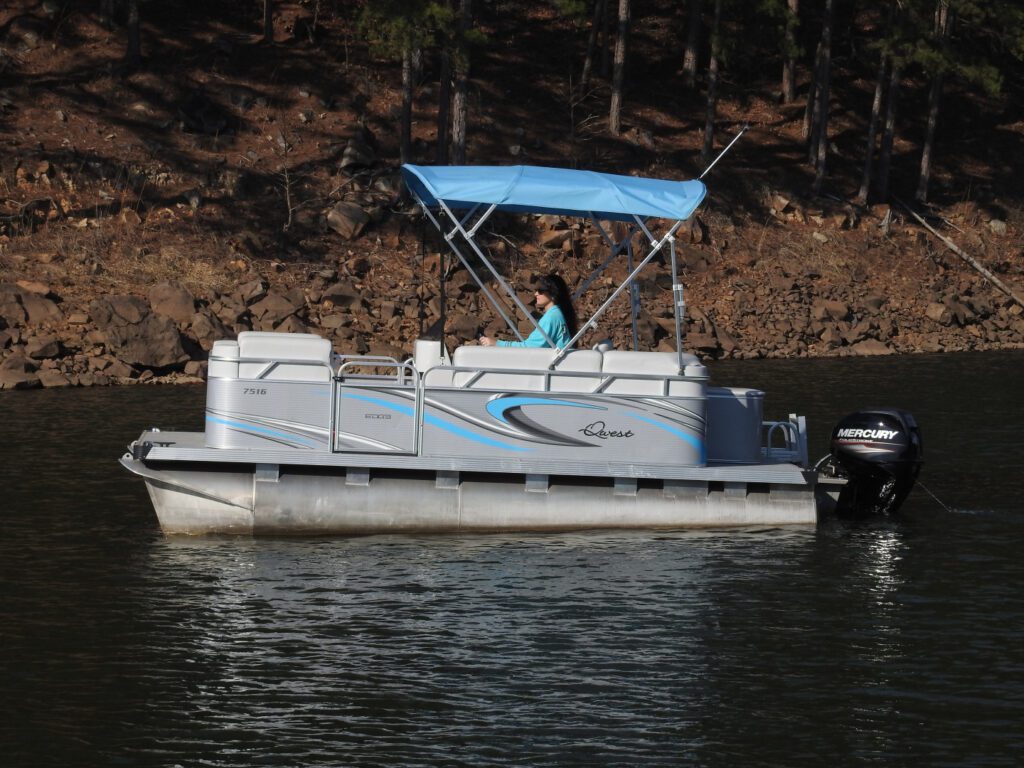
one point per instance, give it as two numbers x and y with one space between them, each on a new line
305 501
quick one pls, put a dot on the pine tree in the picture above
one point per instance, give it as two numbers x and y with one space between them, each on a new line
400 29
619 71
713 66
691 53
790 50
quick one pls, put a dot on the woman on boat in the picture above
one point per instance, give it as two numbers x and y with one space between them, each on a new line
558 320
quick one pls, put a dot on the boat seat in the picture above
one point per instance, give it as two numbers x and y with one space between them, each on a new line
304 356
524 369
734 425
223 360
660 364
432 361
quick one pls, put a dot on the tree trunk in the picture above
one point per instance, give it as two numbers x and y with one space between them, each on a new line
606 46
268 21
934 96
888 135
692 53
460 105
405 146
133 54
619 71
823 96
789 63
444 104
864 194
810 109
876 114
588 61
712 108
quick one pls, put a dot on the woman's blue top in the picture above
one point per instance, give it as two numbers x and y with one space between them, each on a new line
554 325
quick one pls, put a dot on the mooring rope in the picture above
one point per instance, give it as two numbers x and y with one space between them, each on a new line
928 491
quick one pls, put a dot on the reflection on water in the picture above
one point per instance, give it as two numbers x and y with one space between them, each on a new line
885 642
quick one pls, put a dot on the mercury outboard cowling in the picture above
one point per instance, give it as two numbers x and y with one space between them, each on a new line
879 451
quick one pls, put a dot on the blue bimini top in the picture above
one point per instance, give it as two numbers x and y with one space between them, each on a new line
559 191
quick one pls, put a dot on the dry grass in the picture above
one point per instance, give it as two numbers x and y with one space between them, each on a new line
110 255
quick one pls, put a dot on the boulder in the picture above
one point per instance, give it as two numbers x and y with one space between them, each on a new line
273 309
196 368
19 362
555 238
12 313
940 313
152 343
117 369
348 220
725 340
832 335
858 332
18 371
34 286
252 292
871 347
358 153
830 310
464 326
705 342
134 334
43 347
53 379
18 380
39 309
333 321
292 324
342 295
112 311
172 299
207 328
873 303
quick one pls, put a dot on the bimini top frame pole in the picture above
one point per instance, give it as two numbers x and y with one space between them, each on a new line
559 191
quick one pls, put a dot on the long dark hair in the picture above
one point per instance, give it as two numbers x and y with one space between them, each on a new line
554 286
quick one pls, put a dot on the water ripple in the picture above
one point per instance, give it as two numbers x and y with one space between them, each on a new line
877 643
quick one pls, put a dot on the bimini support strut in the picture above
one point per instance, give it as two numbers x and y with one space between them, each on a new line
455 249
615 247
468 236
657 245
678 302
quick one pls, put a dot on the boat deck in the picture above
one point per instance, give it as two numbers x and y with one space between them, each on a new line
190 447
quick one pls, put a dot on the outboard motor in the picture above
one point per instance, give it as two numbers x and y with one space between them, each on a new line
879 451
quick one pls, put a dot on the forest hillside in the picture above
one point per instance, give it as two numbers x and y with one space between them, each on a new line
173 173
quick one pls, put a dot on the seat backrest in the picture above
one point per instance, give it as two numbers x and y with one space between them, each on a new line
308 356
523 369
663 365
223 360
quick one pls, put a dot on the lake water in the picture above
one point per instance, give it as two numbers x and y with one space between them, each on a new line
886 642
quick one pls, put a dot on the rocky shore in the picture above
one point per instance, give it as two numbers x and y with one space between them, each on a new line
810 282
231 184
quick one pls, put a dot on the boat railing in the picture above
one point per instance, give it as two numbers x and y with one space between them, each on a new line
785 441
602 381
268 365
366 369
